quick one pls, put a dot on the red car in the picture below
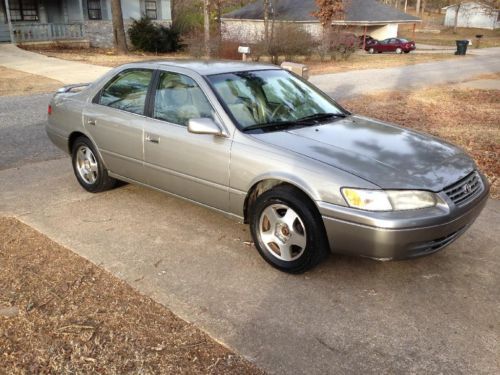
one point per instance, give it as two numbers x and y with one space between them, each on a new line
398 45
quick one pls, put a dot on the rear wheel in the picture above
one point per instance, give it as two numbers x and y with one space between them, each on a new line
399 51
371 51
89 168
287 230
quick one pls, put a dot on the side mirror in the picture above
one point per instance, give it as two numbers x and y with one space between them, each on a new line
203 126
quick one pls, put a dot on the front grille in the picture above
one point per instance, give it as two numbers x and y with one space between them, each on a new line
464 190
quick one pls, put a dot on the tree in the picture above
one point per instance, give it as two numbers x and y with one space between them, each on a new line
206 26
328 10
119 40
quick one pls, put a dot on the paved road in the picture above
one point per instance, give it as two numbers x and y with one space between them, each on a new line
459 69
22 131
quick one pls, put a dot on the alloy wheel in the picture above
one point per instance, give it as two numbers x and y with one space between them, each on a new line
282 232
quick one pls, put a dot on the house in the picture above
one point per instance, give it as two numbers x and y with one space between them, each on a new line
73 20
472 14
363 16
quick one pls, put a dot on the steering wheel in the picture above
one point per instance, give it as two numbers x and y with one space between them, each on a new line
277 109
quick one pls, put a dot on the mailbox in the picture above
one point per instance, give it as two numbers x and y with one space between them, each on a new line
299 69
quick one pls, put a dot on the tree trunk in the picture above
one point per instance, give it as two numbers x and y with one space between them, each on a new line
119 40
206 19
266 22
417 8
455 23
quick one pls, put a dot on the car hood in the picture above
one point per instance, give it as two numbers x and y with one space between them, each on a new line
385 155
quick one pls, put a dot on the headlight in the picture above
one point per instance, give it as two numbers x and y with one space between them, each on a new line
388 200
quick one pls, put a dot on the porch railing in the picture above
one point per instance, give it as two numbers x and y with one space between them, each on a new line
47 31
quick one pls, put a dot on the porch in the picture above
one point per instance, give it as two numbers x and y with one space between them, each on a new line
42 20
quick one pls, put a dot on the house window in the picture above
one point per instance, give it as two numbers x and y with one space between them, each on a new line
151 9
23 10
94 9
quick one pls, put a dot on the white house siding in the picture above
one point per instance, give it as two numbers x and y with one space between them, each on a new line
473 15
251 31
383 32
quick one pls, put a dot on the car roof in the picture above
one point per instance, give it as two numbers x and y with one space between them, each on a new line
208 67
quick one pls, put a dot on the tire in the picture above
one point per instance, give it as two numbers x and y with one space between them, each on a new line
406 51
371 51
89 168
298 241
399 51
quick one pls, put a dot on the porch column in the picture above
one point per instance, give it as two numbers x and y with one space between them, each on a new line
9 22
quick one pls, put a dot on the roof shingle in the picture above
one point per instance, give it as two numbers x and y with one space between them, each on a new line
357 11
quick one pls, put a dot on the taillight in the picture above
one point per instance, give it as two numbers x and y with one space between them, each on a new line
49 110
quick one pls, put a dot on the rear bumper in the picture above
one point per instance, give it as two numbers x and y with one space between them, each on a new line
349 233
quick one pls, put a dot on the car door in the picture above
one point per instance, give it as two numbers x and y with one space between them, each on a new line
115 118
194 166
392 45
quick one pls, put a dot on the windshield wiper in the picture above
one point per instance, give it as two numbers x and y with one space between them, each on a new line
320 116
301 121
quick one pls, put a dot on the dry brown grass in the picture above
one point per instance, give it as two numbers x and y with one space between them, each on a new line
105 57
14 82
377 61
491 38
74 317
467 118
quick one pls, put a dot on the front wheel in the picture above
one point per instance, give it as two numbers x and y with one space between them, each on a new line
89 168
407 51
288 230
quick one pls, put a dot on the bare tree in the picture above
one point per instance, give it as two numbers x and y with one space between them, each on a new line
206 24
329 10
119 40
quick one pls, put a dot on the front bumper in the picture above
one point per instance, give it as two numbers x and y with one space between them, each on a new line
398 235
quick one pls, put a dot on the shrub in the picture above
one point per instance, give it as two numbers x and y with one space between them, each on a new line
287 41
150 37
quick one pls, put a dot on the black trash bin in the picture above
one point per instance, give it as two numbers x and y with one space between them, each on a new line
462 47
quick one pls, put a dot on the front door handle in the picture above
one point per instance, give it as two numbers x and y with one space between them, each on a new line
152 138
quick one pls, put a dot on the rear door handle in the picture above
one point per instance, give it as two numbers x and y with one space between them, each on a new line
152 138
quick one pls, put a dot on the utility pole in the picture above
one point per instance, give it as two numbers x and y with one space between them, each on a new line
206 19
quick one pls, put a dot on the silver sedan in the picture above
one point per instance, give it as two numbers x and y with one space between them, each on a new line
264 146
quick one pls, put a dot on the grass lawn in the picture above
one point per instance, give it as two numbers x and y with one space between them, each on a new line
377 61
467 118
491 38
15 82
106 57
59 313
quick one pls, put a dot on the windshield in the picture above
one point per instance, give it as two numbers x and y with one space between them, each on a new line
271 97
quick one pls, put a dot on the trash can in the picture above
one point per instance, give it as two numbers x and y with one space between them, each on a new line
462 47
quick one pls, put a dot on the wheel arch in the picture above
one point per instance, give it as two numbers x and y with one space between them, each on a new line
75 135
267 183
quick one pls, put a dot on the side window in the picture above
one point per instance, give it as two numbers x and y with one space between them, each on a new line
178 99
127 91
